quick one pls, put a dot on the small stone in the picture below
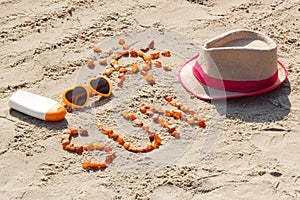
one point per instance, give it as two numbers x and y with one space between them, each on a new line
276 174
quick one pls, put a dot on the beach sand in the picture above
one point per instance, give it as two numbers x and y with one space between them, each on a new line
250 148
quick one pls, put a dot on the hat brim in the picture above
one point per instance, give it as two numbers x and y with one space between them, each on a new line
201 91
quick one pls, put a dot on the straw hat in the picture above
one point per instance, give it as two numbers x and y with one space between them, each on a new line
235 64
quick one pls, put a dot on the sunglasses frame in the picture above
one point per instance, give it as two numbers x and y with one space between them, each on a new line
89 91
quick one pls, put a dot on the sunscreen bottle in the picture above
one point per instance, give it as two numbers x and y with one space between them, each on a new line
37 106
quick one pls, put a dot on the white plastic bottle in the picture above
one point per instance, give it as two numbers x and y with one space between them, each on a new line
37 106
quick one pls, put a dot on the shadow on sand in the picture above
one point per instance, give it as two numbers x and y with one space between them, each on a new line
268 107
60 125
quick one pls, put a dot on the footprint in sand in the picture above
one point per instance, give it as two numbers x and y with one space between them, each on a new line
170 193
280 143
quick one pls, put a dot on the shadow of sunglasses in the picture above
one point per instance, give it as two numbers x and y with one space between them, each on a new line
78 96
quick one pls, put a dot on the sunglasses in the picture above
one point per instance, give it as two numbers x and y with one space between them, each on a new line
78 96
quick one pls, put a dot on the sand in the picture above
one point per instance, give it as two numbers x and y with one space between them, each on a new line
249 150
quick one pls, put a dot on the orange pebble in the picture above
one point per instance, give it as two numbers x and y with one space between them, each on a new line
129 71
90 63
90 146
151 44
70 147
96 49
65 142
173 103
144 49
197 118
114 62
121 75
146 67
120 84
133 149
191 120
166 53
100 126
175 134
161 120
125 53
144 108
149 147
125 114
152 109
73 131
167 68
106 131
108 52
177 115
108 149
170 127
113 155
134 68
155 145
109 159
102 165
155 117
149 113
117 67
85 148
191 112
178 105
114 136
103 62
85 164
126 145
184 119
133 54
121 41
168 98
137 122
157 139
79 149
117 56
158 110
83 132
201 123
122 78
93 165
151 135
143 150
131 116
65 137
149 78
168 113
109 71
146 128
99 146
140 54
184 108
125 46
158 64
155 55
120 140
143 73
123 70
148 62
147 58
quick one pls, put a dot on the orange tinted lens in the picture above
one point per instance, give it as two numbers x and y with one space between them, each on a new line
100 85
78 96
